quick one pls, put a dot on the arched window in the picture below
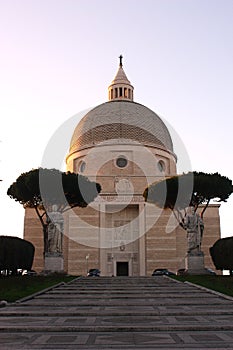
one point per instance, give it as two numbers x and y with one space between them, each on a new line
161 166
82 166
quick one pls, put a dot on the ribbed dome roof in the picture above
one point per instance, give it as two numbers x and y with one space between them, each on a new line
121 120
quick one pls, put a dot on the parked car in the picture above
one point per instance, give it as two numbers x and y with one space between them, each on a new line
210 271
93 273
29 273
162 272
181 272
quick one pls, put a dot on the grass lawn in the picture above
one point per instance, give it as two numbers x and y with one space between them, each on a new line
222 284
13 288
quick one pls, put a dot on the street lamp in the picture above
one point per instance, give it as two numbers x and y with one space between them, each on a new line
87 257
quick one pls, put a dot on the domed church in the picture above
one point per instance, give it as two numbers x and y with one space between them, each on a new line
124 146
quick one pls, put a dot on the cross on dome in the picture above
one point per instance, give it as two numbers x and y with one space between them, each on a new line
121 64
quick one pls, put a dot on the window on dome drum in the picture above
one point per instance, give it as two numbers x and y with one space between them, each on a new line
111 93
121 162
116 93
129 93
161 166
82 166
120 91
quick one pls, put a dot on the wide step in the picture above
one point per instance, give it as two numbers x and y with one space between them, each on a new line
119 313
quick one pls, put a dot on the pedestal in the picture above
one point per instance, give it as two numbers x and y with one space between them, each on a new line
194 264
53 262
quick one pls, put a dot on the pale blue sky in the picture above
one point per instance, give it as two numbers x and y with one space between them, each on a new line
59 56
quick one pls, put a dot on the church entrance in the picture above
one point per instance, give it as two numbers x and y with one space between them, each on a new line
122 268
120 236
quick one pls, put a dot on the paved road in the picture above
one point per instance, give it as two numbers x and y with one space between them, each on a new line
119 313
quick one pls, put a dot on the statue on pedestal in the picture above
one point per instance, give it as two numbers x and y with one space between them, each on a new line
55 231
194 226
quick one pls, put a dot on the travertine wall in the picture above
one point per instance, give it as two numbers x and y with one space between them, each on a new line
168 249
90 234
161 248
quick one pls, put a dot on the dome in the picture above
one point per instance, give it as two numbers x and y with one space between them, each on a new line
121 119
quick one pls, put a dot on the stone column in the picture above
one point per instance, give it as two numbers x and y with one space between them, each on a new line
142 241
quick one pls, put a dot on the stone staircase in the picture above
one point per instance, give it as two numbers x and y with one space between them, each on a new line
119 313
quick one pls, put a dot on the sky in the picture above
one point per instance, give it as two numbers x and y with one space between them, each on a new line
59 56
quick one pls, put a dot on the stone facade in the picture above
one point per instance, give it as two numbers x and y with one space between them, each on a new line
124 146
157 248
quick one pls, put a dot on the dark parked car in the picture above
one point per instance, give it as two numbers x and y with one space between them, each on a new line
162 272
210 271
93 273
29 273
183 272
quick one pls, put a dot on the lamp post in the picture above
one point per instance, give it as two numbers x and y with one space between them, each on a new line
87 257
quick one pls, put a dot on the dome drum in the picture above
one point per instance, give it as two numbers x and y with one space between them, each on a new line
120 92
